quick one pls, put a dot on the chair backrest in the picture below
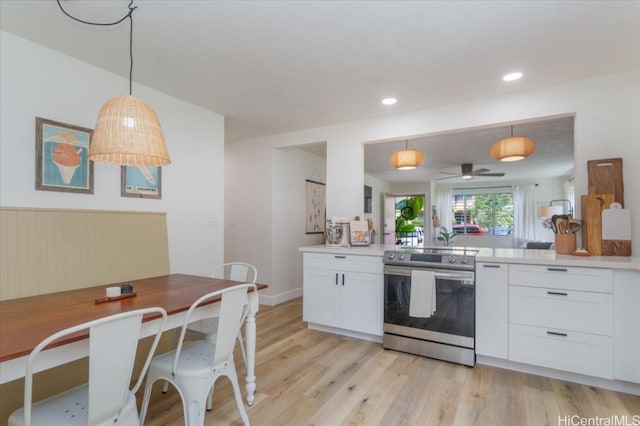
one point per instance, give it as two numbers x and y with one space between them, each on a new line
113 342
232 308
237 271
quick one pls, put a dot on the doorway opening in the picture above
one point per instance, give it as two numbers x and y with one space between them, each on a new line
409 220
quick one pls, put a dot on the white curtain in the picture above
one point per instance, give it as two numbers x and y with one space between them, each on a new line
524 212
444 209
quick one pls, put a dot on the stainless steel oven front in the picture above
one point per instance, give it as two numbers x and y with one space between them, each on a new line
449 332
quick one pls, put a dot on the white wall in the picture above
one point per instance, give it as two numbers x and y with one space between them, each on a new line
291 168
36 81
606 126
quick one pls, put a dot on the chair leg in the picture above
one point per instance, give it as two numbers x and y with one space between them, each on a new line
176 337
210 398
233 377
145 401
193 402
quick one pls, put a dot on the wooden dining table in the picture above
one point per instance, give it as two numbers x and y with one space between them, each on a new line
25 322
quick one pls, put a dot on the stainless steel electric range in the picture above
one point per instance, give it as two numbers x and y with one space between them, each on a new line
429 302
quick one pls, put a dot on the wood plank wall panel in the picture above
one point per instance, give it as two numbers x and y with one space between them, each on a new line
48 250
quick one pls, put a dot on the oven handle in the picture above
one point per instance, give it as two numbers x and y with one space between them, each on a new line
404 271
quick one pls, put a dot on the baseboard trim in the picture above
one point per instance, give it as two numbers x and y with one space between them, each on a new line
614 385
343 332
269 300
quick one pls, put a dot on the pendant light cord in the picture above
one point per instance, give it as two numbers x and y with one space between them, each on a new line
107 24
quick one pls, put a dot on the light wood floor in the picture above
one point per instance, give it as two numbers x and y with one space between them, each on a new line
307 377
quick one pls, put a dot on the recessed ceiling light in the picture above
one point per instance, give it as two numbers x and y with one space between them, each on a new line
512 76
389 101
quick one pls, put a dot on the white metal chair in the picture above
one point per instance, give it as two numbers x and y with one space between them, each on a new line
194 368
207 328
106 399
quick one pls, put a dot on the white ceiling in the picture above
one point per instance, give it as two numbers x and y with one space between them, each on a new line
447 152
276 66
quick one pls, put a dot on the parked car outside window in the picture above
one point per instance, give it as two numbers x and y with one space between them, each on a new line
469 229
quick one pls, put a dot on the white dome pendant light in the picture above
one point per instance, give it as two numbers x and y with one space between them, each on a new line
513 148
406 159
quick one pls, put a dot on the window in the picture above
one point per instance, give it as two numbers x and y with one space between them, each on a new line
483 213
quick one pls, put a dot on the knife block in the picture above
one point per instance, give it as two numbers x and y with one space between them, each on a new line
565 243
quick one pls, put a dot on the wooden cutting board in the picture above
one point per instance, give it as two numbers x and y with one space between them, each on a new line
592 207
605 177
616 231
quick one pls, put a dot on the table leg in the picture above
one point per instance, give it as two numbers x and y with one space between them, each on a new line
250 343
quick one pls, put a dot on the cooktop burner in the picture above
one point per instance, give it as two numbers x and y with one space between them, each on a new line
437 257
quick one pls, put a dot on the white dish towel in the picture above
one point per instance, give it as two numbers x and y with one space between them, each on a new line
423 294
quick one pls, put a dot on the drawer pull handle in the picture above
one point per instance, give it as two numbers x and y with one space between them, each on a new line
490 266
555 333
557 269
342 279
557 293
340 257
336 278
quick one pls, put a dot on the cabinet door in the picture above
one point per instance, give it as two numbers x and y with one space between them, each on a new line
361 302
626 291
492 298
321 301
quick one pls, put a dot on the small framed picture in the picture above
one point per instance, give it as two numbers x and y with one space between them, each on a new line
141 181
315 207
359 232
62 157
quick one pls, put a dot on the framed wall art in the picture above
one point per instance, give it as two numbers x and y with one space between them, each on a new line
62 157
141 181
315 207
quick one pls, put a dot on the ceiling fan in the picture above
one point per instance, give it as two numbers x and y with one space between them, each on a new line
469 173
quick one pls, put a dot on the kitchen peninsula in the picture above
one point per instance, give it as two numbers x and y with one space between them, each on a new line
569 317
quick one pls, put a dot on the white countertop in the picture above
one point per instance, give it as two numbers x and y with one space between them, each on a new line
502 255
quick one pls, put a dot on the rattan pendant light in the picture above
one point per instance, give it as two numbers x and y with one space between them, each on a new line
127 130
513 148
406 159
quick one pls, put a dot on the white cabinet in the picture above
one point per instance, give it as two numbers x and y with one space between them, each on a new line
344 292
582 311
563 277
626 290
320 297
562 318
492 309
563 350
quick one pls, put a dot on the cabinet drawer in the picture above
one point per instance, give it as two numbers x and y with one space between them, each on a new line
574 352
562 309
562 277
344 262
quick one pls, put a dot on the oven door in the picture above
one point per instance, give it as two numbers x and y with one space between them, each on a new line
452 323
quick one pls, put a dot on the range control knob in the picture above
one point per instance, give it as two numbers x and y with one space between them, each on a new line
464 260
452 259
392 255
402 256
